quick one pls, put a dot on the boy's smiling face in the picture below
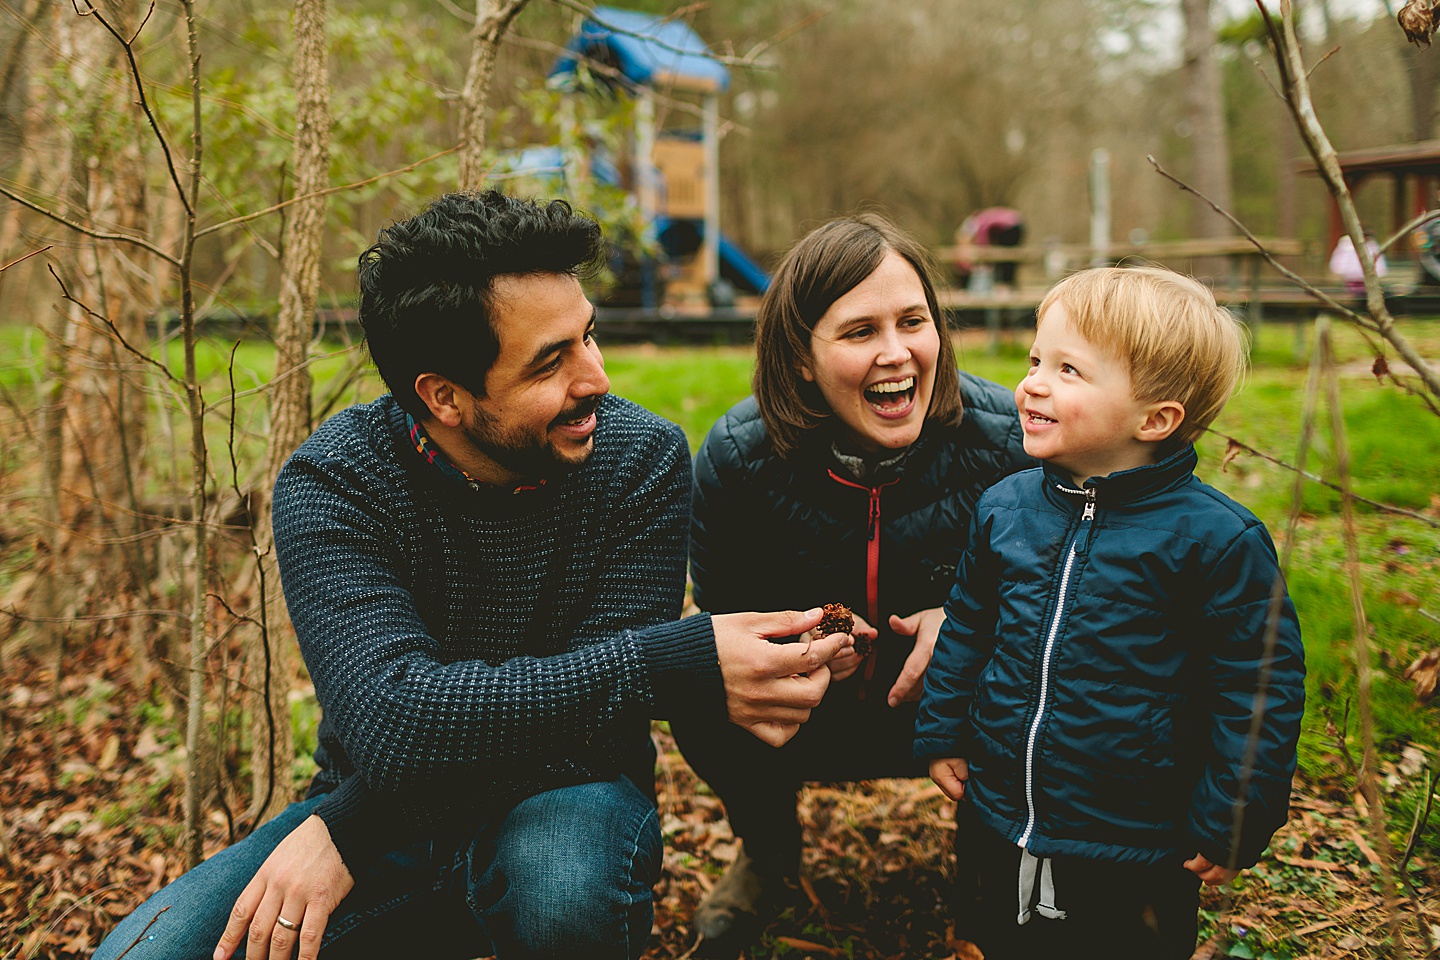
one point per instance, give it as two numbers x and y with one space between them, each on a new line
1077 408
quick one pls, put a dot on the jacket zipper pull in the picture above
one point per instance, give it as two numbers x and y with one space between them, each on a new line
874 513
1089 513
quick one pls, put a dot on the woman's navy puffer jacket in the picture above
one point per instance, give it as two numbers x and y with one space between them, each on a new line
775 534
1099 672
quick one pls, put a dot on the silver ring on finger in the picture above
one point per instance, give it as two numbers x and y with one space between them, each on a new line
287 924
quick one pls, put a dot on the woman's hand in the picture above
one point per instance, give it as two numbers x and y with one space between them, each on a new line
924 627
303 880
849 661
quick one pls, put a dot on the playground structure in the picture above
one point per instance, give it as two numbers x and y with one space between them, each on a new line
671 174
695 288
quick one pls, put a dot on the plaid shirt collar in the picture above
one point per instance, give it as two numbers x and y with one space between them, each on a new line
433 455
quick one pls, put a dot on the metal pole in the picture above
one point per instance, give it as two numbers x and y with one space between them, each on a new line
711 142
1099 207
642 165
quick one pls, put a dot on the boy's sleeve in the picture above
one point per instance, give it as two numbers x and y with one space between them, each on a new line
1243 797
966 640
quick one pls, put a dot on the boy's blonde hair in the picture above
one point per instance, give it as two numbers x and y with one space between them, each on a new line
1180 344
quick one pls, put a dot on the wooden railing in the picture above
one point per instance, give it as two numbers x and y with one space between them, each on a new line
1072 256
1056 260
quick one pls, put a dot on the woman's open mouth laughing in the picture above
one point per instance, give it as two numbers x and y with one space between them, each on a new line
891 398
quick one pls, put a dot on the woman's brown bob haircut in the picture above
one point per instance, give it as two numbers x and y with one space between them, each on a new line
826 264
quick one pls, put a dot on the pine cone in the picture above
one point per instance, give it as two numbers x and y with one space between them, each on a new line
839 619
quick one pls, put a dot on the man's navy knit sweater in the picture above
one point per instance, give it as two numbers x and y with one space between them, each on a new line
471 646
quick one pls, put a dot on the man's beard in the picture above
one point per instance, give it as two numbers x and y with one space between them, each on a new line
528 451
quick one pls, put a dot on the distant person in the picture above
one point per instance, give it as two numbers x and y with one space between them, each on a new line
1345 262
1108 643
990 227
848 477
483 567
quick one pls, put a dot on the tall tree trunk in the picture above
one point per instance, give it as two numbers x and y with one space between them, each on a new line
19 152
1205 112
492 19
111 416
89 66
272 751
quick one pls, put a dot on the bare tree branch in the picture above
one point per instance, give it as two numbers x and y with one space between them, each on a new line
14 614
267 385
129 48
1291 275
205 231
1316 65
114 330
27 256
1316 478
1408 228
82 229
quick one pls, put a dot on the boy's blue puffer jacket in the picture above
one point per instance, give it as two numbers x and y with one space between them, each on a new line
1101 662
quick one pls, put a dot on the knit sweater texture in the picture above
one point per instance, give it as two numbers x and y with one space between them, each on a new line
472 646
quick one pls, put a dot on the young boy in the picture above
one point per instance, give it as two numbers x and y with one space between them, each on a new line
1116 693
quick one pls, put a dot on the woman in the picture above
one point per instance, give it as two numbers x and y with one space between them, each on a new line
849 476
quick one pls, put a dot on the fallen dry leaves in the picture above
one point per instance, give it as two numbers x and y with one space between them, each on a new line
89 814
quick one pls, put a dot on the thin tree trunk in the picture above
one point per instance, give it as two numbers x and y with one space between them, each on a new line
1205 113
492 19
199 601
272 749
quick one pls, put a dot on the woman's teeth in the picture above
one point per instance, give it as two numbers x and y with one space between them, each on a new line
882 390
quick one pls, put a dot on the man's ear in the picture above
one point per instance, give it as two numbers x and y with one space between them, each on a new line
1161 420
443 398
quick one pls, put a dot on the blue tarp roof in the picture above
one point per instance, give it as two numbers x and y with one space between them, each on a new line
646 49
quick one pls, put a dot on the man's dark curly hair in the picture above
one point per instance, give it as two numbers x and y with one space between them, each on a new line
427 284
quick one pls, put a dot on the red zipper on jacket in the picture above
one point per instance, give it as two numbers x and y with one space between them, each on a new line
872 553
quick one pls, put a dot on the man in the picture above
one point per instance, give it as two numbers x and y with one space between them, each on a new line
482 567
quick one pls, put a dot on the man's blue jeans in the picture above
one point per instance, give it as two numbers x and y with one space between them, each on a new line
566 873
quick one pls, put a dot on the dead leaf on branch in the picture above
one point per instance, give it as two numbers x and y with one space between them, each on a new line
1232 450
1417 19
1424 673
1381 366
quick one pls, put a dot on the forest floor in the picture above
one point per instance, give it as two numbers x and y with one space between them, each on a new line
90 800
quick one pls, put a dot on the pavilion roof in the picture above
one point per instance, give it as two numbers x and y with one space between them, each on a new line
1422 157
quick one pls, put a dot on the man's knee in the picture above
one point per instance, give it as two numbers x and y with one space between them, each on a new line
572 873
